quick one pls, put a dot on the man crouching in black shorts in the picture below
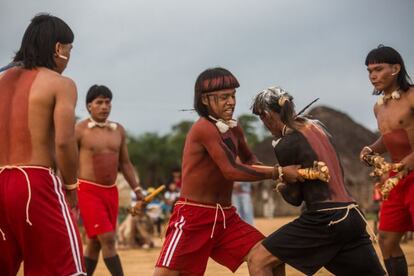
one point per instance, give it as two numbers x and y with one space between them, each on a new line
331 231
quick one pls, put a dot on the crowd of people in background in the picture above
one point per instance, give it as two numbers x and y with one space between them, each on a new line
139 231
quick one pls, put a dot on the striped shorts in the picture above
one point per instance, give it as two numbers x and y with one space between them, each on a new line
36 225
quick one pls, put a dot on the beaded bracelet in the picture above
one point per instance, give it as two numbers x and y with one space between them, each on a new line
280 173
70 187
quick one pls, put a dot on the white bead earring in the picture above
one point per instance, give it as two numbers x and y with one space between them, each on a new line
62 56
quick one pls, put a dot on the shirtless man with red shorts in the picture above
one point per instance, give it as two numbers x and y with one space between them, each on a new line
102 152
203 223
37 106
395 116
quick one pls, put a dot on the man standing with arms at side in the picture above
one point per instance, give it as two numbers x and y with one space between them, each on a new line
102 152
395 118
37 106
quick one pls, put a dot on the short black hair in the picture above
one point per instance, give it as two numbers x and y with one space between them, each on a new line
38 44
212 79
96 91
386 54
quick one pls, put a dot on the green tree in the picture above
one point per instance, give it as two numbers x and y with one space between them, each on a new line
155 156
177 137
150 153
249 125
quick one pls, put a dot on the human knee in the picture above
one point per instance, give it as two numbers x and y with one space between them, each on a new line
94 245
259 259
162 271
108 242
254 259
386 242
390 245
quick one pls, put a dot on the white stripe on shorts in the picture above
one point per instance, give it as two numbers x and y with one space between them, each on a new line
174 241
69 224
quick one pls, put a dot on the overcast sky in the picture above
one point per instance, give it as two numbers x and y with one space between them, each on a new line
149 53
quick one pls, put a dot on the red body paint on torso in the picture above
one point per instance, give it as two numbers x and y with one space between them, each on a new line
209 163
15 138
326 153
397 144
105 167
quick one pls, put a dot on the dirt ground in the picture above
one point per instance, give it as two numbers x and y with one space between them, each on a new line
140 262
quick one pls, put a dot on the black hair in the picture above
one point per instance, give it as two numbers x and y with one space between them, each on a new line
39 40
96 91
212 79
278 100
385 54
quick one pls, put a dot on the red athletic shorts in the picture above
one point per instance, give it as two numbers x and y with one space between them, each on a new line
197 232
98 205
36 225
397 212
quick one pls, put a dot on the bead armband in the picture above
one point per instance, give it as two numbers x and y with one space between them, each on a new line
279 170
280 173
274 172
70 187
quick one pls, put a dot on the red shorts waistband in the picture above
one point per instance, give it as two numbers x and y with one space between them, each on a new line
82 181
10 167
186 201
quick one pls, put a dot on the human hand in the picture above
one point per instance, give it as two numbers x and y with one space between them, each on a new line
137 210
139 195
291 174
407 164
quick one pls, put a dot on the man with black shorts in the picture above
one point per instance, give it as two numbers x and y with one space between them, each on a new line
330 232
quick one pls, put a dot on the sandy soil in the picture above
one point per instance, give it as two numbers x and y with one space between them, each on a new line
140 262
